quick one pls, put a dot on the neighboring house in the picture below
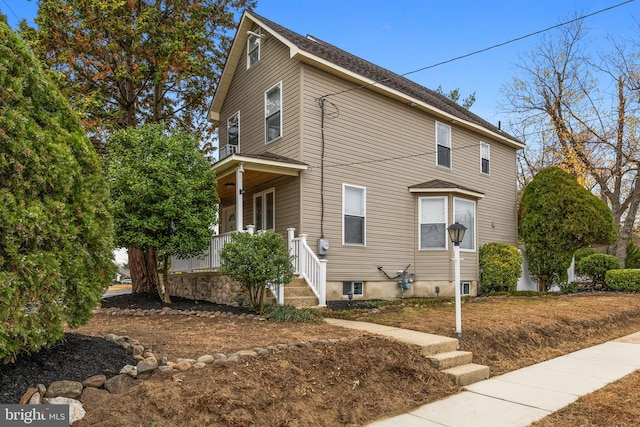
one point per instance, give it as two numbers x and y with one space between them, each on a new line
318 140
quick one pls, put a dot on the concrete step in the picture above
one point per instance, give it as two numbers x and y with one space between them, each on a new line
297 291
468 374
302 302
438 345
450 359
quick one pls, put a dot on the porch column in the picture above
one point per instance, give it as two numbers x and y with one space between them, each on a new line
239 197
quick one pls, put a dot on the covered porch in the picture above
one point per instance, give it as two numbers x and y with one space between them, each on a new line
261 193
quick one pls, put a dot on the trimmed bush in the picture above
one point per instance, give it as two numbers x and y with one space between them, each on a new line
56 230
500 267
623 280
597 265
583 253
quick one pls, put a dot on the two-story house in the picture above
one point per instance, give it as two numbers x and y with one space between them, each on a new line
369 165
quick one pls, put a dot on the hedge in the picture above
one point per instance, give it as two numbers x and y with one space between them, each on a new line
500 267
623 280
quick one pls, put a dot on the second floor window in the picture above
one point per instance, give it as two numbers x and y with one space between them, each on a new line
353 215
443 145
233 130
484 157
273 112
253 50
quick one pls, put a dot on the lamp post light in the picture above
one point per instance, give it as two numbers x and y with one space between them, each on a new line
456 234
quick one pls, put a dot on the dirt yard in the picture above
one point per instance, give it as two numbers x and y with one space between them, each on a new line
353 381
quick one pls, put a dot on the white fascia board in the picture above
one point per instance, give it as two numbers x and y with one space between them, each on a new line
447 190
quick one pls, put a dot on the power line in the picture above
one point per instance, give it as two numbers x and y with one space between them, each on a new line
11 10
606 9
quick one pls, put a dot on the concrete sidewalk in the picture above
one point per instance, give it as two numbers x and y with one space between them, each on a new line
518 398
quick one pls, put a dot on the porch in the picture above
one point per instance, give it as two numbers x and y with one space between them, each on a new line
306 264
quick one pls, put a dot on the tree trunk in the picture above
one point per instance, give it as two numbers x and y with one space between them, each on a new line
139 277
143 265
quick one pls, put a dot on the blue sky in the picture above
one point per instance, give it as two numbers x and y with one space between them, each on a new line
418 34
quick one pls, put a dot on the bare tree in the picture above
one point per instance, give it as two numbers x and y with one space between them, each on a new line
576 111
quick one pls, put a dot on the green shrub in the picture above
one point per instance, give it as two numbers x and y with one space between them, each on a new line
255 260
633 256
288 313
56 231
569 288
583 253
597 265
623 280
500 267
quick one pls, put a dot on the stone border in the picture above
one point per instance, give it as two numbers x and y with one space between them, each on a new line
97 387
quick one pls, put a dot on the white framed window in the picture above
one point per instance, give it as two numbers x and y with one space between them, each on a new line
355 288
253 50
484 157
233 130
354 201
465 288
465 213
273 112
432 217
443 145
264 210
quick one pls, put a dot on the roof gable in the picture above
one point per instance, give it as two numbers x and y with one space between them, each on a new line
361 72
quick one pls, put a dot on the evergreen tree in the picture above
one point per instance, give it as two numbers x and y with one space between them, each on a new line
558 217
55 228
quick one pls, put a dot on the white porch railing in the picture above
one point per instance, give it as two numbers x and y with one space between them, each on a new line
306 264
227 150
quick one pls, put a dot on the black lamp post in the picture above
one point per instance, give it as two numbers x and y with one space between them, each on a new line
456 234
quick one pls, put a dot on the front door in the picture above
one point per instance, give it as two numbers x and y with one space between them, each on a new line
228 222
264 210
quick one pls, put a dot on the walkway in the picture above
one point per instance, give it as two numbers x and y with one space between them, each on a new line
520 397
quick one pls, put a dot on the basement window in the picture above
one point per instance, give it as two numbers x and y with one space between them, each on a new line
356 288
465 288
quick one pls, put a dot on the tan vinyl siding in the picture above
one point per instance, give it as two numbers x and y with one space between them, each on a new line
369 128
246 94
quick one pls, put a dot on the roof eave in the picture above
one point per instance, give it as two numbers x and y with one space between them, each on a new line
447 190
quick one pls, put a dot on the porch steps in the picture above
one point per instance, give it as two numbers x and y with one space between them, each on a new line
441 352
297 294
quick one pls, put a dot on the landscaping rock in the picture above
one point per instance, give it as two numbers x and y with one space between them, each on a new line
69 389
120 384
76 411
95 381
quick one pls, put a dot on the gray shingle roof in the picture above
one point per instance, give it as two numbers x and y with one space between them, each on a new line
387 78
438 184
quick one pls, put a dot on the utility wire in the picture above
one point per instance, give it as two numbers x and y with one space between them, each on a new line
485 49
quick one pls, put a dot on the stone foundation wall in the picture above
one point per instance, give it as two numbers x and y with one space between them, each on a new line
208 286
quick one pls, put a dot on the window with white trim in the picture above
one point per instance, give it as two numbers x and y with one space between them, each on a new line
353 214
233 130
465 288
443 145
273 112
356 289
484 157
253 50
432 214
264 210
465 214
